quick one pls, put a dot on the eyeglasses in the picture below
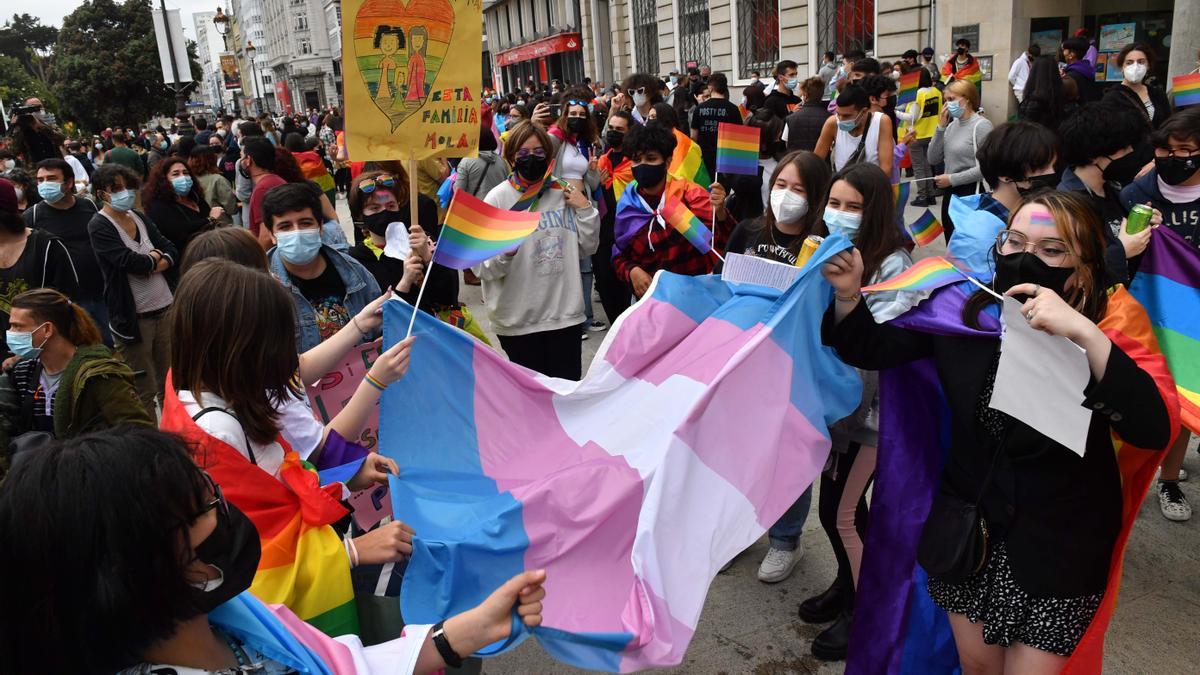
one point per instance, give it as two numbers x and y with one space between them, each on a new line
536 152
217 502
639 90
1053 252
1186 154
371 184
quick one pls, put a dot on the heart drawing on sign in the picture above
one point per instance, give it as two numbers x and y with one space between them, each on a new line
400 47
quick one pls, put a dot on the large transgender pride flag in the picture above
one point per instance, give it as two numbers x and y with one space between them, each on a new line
702 418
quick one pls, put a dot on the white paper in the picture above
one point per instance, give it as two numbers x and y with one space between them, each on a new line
1040 380
397 246
747 269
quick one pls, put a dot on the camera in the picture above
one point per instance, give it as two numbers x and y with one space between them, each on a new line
26 109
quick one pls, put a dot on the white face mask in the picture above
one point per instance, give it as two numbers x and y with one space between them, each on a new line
788 206
9 164
639 100
1134 72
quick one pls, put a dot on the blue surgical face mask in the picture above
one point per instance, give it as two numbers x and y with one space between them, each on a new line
299 247
51 191
182 185
955 109
21 344
847 125
122 201
793 83
842 221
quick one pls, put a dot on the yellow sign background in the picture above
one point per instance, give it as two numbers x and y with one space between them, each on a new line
405 96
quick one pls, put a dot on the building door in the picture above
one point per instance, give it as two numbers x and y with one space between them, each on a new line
311 99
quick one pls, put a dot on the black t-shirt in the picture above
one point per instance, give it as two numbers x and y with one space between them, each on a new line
327 295
748 238
178 222
71 226
777 102
44 263
706 118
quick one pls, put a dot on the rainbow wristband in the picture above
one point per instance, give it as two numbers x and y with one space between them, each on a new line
375 383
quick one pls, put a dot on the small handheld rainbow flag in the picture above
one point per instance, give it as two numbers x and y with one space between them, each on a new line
900 192
926 275
737 149
686 223
1186 89
476 231
925 230
687 162
909 83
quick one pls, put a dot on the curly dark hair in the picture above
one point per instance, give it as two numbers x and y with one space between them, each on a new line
158 186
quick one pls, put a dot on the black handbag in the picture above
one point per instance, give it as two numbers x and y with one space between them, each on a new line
954 542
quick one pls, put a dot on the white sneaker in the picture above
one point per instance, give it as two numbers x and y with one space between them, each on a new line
1172 502
595 326
778 565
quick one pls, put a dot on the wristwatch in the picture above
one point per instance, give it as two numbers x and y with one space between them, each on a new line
450 656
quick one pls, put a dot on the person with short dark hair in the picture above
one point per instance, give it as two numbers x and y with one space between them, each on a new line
1173 185
709 115
643 246
928 63
616 172
1079 70
258 165
123 155
327 286
803 125
856 134
137 263
1136 61
782 97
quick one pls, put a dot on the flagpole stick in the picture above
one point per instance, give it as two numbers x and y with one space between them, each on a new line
413 198
420 294
975 281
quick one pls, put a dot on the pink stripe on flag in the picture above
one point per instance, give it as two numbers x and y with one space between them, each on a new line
337 656
670 640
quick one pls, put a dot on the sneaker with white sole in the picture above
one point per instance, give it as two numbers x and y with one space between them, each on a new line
1172 502
595 326
1183 474
778 565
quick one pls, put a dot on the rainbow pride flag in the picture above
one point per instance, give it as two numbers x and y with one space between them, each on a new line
900 193
926 275
313 168
1168 286
686 223
476 231
925 230
969 72
1186 89
304 564
687 162
737 149
909 84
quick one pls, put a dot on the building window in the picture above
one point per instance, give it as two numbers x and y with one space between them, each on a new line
514 36
549 14
266 78
645 35
305 47
693 31
758 35
845 25
301 22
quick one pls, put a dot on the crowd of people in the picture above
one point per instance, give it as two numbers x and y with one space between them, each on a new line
194 278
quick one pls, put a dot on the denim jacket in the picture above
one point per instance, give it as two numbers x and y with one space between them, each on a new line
361 289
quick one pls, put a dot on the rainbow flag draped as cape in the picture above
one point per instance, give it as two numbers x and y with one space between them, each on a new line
687 163
897 628
1168 286
314 169
1186 89
476 231
304 564
619 176
969 72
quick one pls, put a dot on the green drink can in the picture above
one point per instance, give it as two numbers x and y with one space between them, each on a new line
1139 218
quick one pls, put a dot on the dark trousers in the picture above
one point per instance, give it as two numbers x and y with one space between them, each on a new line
614 293
832 494
961 191
556 353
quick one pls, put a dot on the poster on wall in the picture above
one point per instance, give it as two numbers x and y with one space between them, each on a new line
229 72
1111 69
1047 40
985 67
1115 36
405 97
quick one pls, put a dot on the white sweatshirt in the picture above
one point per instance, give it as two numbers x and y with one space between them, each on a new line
539 288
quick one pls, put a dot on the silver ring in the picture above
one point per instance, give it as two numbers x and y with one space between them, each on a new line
1029 315
1036 288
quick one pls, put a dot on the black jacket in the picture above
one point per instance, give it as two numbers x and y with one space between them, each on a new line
1058 513
117 261
1122 95
804 126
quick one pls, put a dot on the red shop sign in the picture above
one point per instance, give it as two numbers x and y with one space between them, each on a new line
566 42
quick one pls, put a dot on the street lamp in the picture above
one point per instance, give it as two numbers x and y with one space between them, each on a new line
250 50
221 23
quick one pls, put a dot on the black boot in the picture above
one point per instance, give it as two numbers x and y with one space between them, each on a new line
831 644
825 607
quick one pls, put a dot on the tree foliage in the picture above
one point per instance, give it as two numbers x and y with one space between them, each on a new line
16 84
106 68
25 39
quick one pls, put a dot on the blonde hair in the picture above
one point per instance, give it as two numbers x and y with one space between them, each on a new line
966 90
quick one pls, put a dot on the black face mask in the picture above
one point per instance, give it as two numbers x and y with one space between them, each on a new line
649 175
1046 181
377 223
243 171
234 549
960 51
1176 170
614 138
531 167
577 125
1123 169
1027 268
